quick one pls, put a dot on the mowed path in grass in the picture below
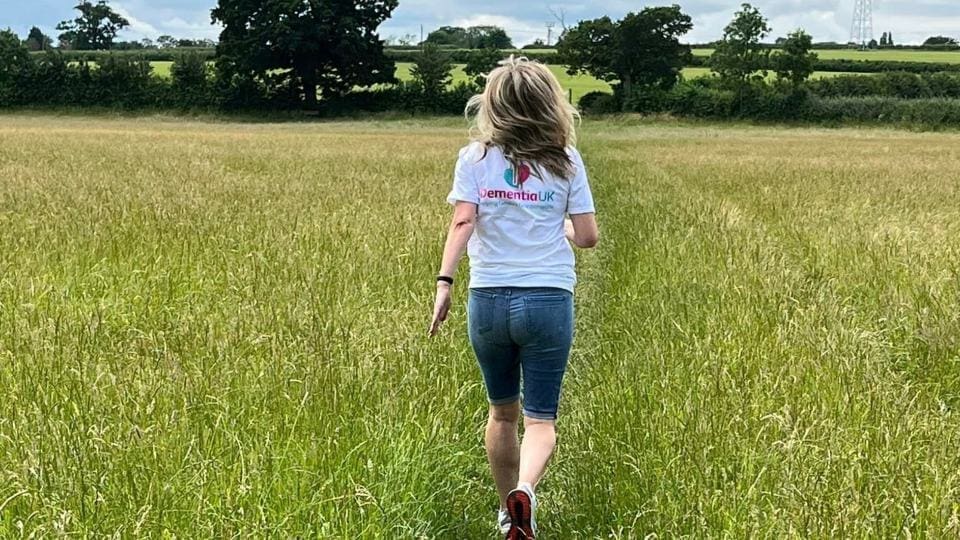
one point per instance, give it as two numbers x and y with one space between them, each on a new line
218 329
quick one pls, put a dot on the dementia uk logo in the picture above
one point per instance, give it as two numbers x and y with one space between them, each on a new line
516 180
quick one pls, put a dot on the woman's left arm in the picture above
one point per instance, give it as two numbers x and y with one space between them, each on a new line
461 228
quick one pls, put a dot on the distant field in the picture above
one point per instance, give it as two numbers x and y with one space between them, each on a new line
885 55
580 84
161 68
583 84
693 73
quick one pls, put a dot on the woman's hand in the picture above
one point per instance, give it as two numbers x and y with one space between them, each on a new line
440 308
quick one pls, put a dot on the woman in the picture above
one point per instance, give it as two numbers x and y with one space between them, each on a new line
512 189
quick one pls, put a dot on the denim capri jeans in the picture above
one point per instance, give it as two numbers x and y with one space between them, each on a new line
522 334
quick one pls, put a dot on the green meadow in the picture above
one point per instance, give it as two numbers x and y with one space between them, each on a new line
218 329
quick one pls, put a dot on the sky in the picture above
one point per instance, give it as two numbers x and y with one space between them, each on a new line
911 21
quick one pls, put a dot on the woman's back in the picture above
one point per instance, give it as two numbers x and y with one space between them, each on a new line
519 240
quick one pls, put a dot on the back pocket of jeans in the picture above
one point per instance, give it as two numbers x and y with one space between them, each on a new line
480 313
549 316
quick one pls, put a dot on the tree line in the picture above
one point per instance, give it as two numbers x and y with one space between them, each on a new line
750 80
276 54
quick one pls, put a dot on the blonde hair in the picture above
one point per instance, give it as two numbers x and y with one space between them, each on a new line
524 112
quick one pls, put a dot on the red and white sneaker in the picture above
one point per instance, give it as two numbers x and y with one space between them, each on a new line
503 521
522 508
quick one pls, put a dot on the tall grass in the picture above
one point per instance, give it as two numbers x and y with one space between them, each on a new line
216 329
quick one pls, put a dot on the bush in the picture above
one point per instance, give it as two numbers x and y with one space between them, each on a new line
881 66
599 103
52 81
925 112
904 85
707 99
118 81
432 70
647 101
701 101
403 97
944 85
846 86
150 55
481 62
190 82
895 84
15 63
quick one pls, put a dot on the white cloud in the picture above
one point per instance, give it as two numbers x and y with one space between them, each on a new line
191 29
138 28
522 32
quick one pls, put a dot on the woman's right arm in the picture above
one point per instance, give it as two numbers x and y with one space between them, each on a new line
582 231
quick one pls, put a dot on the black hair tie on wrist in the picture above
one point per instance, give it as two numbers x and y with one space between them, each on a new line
445 279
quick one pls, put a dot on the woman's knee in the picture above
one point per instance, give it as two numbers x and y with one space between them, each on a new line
509 412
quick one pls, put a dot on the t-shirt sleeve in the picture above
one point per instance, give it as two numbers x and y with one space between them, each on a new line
465 187
580 199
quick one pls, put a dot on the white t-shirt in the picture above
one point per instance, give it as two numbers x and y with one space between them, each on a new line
519 239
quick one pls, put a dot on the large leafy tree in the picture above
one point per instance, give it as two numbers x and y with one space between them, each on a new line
448 35
474 37
330 45
642 50
14 59
432 70
94 29
480 63
166 41
13 54
739 56
488 37
795 62
933 41
37 40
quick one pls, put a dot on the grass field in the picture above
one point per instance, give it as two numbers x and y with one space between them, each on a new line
218 330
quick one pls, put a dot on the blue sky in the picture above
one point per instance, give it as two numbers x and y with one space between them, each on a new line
827 20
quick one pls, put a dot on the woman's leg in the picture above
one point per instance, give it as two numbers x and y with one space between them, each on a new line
497 356
503 447
544 329
539 440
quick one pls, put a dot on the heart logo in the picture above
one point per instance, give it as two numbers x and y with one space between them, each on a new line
518 180
524 173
